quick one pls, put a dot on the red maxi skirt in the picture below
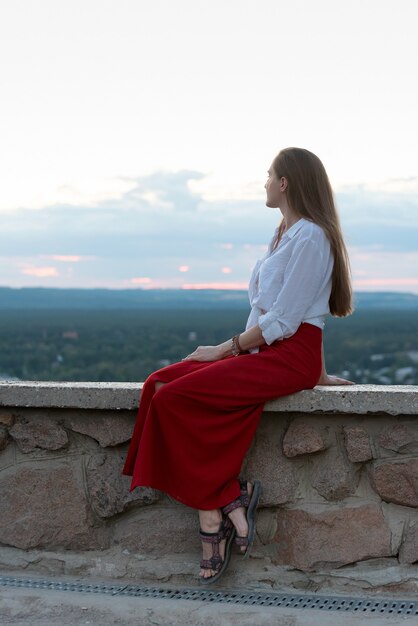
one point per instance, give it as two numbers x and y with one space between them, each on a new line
192 435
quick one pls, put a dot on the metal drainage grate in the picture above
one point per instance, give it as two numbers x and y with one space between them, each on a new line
326 603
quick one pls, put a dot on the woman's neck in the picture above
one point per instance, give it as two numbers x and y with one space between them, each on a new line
290 218
289 214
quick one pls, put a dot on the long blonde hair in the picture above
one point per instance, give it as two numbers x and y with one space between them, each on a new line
309 195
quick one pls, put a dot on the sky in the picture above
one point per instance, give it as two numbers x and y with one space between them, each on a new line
135 136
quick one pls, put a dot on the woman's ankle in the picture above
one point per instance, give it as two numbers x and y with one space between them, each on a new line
210 520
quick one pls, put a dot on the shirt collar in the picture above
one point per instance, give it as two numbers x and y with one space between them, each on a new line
294 229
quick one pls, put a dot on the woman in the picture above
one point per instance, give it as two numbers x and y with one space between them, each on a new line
197 418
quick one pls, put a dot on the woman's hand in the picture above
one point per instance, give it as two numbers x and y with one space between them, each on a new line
327 379
206 353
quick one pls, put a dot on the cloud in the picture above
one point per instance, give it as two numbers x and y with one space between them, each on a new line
66 258
162 191
386 216
136 225
374 270
141 280
409 283
40 272
215 285
160 225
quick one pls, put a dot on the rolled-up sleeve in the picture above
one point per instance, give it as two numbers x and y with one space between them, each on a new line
303 278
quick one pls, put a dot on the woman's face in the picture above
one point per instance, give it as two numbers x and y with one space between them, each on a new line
275 188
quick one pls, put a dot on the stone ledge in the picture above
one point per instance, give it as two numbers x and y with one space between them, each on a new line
352 399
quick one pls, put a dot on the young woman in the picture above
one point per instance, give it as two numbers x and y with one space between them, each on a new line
197 418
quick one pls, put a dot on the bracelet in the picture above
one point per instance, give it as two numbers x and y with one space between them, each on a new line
236 348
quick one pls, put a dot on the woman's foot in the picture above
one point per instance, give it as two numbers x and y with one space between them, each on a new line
210 522
246 502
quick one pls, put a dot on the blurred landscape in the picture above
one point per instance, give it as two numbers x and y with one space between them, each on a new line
124 335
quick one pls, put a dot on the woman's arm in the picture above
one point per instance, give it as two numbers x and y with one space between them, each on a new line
326 379
303 277
251 338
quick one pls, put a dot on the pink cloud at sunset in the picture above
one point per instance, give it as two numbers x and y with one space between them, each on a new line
378 270
226 270
215 285
66 258
184 268
387 283
40 272
141 280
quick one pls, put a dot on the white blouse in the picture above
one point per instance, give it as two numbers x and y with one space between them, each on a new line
291 284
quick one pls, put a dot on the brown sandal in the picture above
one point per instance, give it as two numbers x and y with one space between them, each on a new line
226 531
250 503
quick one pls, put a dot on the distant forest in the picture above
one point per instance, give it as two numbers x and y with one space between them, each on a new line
371 346
46 298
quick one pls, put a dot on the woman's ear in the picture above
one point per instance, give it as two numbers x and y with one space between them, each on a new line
283 183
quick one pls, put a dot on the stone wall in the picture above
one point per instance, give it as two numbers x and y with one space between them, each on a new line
339 469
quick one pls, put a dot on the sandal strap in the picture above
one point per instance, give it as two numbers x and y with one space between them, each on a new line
224 532
214 538
242 500
235 504
241 541
214 563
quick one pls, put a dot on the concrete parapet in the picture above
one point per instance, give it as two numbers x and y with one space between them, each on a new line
339 468
355 399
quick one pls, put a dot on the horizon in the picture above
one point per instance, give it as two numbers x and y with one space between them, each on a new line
188 288
360 286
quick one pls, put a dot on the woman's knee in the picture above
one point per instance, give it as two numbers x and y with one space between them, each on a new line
153 379
154 383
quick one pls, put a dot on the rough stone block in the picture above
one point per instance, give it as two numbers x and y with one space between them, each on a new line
399 438
33 433
357 444
109 490
107 430
47 508
265 462
396 481
4 437
159 530
310 540
302 438
335 478
408 552
6 418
